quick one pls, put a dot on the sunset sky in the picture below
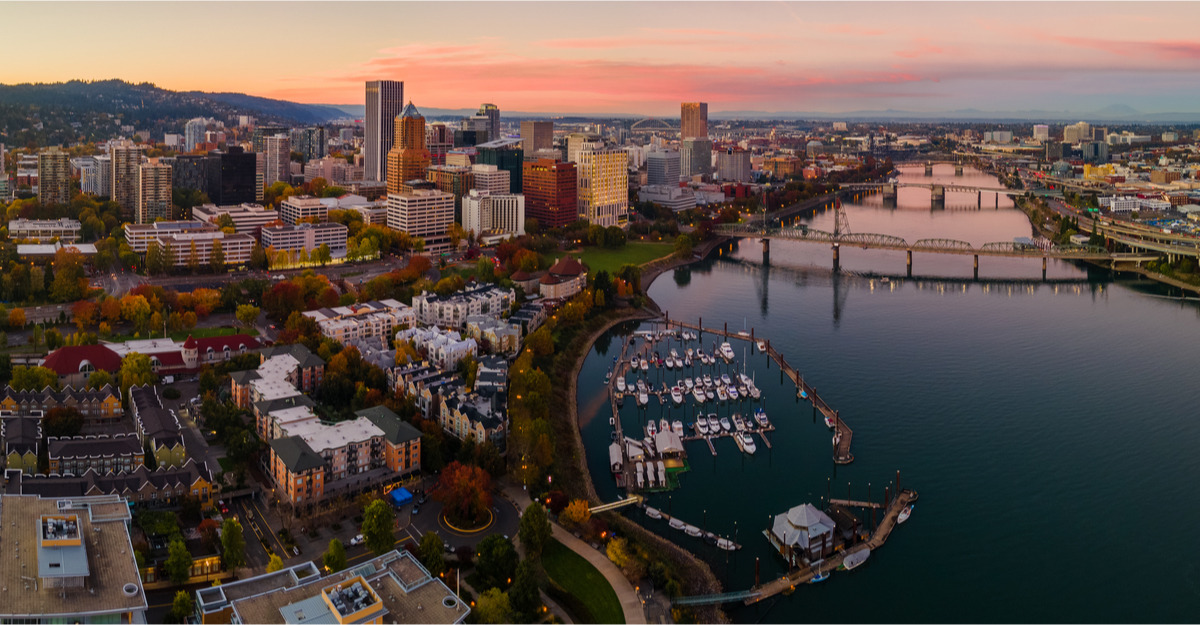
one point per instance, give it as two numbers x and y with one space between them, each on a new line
610 57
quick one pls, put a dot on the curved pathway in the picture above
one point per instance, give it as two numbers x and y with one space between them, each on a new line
631 605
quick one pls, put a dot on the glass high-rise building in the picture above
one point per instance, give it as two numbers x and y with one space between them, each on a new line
385 101
507 156
693 120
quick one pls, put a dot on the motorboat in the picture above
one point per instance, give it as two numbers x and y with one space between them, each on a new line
651 427
726 544
733 393
721 393
687 361
762 346
662 473
745 380
675 355
724 421
634 363
702 426
653 513
643 398
855 559
664 425
689 353
707 381
710 394
640 477
688 384
698 394
714 425
803 394
754 392
745 442
677 427
760 416
726 380
819 577
904 514
612 420
692 530
645 365
621 383
738 423
669 362
641 385
676 395
831 422
607 375
727 352
677 524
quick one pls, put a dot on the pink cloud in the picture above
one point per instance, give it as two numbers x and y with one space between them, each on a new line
923 47
1186 50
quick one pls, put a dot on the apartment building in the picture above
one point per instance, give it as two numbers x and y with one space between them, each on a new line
360 321
451 311
307 236
303 208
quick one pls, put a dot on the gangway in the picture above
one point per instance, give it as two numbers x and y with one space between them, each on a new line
725 597
620 503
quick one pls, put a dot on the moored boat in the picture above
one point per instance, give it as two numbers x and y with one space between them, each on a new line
831 422
714 425
698 394
726 544
760 416
651 428
905 513
819 577
653 513
724 421
855 559
692 530
745 442
762 345
722 394
739 424
676 395
621 383
677 427
677 524
702 426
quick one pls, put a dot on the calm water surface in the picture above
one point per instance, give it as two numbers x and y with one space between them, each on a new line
1051 429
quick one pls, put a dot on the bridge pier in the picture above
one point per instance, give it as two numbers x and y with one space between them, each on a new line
979 199
910 263
1044 259
937 197
766 250
837 262
928 169
997 200
977 266
958 169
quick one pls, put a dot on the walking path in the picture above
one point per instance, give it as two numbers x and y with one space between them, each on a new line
631 605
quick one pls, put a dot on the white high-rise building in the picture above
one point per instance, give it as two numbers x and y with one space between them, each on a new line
490 178
1041 132
193 133
126 157
663 168
95 176
154 192
425 213
603 190
277 160
493 213
385 100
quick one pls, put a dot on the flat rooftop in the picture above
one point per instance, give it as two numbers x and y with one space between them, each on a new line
105 548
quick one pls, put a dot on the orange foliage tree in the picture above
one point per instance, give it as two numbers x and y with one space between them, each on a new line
465 492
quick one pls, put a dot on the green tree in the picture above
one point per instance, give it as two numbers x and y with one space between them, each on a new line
247 314
379 527
182 606
322 254
524 593
274 564
493 606
233 544
179 561
135 370
534 530
69 283
33 378
335 557
98 379
216 258
258 257
155 258
683 246
495 562
430 552
193 261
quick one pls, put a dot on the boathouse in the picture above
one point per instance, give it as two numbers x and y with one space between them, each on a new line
802 534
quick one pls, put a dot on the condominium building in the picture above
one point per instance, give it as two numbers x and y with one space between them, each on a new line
536 136
95 175
550 192
488 214
54 176
385 100
580 141
74 455
733 164
65 230
247 218
235 247
283 372
662 167
408 159
303 209
158 429
424 213
98 407
125 158
70 560
276 159
193 133
471 417
360 321
455 179
492 113
331 168
693 120
444 348
139 236
154 192
451 311
310 142
306 237
603 178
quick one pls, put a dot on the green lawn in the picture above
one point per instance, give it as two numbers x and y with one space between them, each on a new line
582 582
636 253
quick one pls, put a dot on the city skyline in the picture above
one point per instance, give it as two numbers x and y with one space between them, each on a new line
603 58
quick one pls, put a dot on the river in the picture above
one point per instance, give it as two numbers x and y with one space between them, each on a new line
1050 429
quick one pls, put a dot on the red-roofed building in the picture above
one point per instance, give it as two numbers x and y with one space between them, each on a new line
75 363
567 277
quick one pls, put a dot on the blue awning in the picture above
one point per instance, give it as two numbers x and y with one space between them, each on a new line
400 496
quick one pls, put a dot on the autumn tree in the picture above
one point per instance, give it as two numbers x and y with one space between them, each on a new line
275 563
62 421
247 314
33 378
69 283
216 258
136 310
493 606
16 318
577 513
135 370
85 313
626 558
466 493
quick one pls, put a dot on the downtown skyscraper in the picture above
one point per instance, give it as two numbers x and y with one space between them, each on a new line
385 100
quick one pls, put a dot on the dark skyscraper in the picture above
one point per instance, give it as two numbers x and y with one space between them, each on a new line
385 100
507 156
237 179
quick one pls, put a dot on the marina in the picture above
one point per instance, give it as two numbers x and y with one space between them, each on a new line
691 530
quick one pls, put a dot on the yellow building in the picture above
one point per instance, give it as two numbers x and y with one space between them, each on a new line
54 176
22 440
603 190
408 159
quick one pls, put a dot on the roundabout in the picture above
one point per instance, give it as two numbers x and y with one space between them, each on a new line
445 524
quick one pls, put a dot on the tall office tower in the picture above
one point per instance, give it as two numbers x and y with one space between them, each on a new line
425 213
454 179
536 136
603 194
734 164
310 142
193 171
695 157
277 159
693 120
125 160
550 192
385 100
237 178
154 192
439 139
1081 131
466 138
1041 132
492 113
408 158
506 155
258 138
663 168
579 141
54 176
193 133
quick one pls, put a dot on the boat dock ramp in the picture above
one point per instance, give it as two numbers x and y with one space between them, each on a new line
691 530
842 433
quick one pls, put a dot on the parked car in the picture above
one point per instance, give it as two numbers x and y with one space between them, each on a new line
416 509
222 507
357 540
